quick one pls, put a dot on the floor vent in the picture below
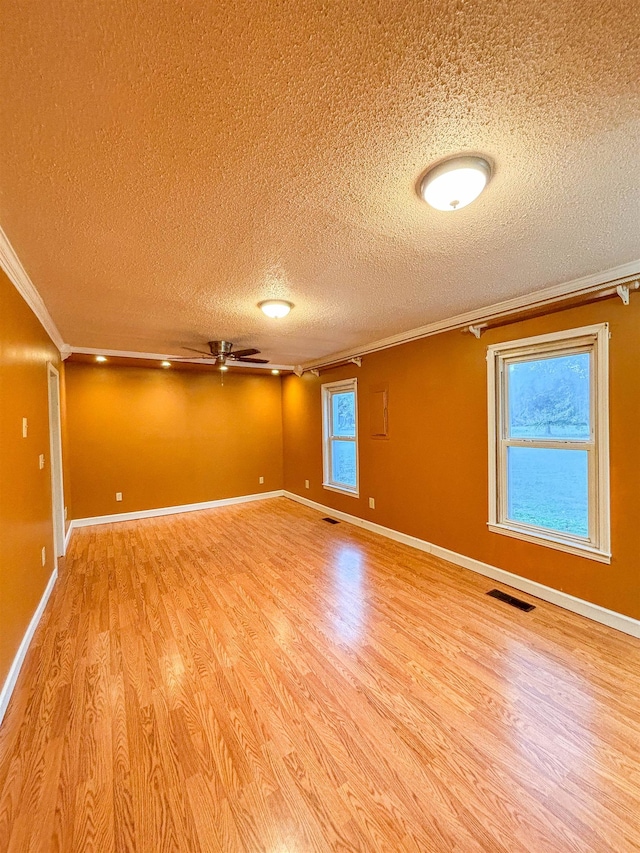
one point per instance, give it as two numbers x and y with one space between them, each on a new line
331 520
509 599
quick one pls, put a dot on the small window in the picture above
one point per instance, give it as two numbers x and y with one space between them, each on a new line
549 447
340 430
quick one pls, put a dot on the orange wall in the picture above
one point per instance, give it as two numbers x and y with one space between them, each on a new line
25 490
168 437
430 480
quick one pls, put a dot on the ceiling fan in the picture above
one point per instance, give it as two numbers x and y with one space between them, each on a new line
222 351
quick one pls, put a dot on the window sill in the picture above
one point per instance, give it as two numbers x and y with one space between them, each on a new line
587 551
332 488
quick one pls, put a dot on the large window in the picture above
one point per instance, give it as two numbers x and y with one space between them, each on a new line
548 434
340 432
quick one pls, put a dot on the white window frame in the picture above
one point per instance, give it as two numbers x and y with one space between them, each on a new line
328 391
594 339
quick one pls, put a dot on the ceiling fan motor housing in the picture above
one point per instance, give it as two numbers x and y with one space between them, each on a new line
220 347
220 350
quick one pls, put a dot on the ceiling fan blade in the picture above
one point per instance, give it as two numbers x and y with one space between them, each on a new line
187 358
199 351
241 353
254 360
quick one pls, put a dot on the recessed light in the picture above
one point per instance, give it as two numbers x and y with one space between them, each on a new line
276 372
166 364
455 183
100 358
223 367
275 308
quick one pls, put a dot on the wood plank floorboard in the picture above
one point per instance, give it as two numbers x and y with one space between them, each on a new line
250 679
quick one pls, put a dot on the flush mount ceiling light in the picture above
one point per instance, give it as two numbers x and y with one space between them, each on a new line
276 372
275 308
455 183
100 358
166 364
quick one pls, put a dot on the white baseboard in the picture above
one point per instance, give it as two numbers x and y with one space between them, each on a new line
569 602
14 671
171 510
67 536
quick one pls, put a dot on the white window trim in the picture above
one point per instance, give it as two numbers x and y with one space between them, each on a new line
328 389
599 545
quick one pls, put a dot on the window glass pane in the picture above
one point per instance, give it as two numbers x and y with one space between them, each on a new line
343 463
343 413
549 397
548 488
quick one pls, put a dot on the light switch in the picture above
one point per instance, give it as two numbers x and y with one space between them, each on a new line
118 496
44 556
306 484
261 480
41 461
25 427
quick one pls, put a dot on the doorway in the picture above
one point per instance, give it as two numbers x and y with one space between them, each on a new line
55 454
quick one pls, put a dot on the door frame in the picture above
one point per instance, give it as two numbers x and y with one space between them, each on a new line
55 455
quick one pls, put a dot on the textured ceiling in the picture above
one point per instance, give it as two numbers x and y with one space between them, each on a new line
165 166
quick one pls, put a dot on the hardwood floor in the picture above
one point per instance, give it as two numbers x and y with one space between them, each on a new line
251 678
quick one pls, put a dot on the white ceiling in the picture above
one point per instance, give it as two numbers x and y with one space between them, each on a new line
165 167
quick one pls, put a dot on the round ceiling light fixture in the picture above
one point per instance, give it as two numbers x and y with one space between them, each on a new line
275 308
456 182
166 364
100 359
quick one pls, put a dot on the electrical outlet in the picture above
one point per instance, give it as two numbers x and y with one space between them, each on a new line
44 556
118 496
41 461
25 427
372 503
306 484
261 480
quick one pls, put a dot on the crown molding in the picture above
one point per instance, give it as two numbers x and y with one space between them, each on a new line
155 356
611 278
10 263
